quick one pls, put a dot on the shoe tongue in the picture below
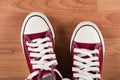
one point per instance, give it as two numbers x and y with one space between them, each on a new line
50 77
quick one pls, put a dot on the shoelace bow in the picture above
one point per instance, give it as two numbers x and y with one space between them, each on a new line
41 49
83 66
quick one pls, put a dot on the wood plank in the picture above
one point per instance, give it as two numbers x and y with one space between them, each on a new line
108 5
64 15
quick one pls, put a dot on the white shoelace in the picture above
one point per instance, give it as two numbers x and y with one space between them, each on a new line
41 48
83 66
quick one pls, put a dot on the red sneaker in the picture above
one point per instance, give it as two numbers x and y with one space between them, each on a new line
87 48
37 38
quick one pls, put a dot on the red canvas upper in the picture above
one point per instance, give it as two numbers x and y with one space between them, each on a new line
90 46
30 37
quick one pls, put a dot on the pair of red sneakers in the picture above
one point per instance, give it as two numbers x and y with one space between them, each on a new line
86 47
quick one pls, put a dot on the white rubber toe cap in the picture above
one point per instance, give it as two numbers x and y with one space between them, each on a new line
87 34
36 22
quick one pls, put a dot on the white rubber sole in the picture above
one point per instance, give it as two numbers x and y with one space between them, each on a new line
32 14
87 23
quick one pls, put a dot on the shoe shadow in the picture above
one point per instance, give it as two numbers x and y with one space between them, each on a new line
63 52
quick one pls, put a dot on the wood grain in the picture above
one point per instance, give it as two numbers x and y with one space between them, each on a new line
64 15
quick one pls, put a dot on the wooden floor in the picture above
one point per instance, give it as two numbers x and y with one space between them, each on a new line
64 15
